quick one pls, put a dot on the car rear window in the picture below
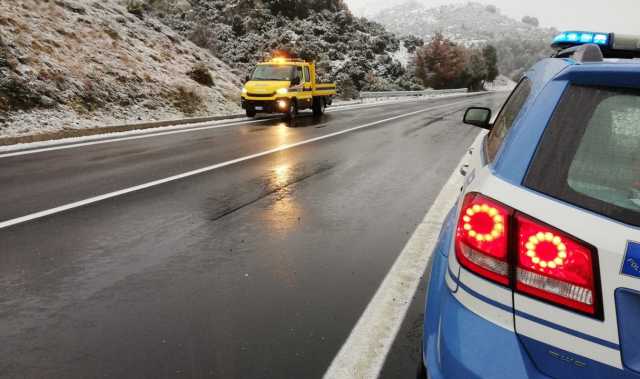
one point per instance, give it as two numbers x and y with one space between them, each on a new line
589 155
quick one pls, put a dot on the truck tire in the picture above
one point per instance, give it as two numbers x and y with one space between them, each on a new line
319 106
251 112
293 110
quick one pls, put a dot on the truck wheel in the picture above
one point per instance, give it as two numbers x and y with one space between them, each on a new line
293 110
319 105
251 112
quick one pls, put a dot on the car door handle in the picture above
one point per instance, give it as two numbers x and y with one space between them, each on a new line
464 170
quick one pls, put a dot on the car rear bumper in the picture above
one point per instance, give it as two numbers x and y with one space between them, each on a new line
458 343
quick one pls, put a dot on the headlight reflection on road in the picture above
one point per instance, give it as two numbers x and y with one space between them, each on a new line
283 133
282 174
284 214
283 217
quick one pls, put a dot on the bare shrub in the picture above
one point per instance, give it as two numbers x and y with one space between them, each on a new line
187 100
136 8
200 73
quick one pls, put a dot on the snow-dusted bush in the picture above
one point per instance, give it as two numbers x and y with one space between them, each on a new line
244 32
200 73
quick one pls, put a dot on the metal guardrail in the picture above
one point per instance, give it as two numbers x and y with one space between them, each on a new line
374 95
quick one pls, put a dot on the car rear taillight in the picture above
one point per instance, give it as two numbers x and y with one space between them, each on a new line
554 266
482 238
535 259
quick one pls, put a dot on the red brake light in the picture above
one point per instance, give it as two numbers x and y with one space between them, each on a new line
549 264
482 238
554 266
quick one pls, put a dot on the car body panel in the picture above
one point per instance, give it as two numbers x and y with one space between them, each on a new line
450 325
550 340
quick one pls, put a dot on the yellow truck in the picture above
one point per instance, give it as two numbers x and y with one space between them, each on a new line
287 86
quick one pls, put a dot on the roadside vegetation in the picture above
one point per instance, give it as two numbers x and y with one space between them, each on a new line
519 43
442 64
356 53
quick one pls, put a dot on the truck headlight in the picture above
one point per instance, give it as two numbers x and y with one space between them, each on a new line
244 91
282 91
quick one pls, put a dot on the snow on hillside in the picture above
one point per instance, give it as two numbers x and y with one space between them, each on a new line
87 63
519 44
467 23
354 52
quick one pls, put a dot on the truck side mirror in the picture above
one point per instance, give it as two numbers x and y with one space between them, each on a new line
478 116
247 78
295 81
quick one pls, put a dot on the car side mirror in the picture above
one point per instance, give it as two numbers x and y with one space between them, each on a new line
295 81
478 116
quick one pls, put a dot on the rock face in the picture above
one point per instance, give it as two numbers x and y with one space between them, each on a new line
85 63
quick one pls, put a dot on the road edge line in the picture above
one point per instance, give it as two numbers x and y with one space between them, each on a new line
365 351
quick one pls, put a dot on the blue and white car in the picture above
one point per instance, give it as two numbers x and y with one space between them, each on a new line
537 270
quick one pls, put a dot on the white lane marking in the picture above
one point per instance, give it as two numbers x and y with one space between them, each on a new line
98 139
364 352
48 212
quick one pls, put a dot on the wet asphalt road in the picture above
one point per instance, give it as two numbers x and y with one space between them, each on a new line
257 269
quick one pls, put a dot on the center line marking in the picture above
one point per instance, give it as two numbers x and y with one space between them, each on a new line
365 351
81 203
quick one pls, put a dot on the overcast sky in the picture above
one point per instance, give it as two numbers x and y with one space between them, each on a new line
603 15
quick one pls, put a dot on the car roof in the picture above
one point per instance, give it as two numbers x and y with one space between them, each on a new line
609 72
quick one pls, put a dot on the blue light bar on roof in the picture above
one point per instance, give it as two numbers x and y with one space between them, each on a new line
580 38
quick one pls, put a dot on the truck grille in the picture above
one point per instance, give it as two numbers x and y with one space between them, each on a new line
260 94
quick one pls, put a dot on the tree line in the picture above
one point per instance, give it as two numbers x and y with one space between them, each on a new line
443 64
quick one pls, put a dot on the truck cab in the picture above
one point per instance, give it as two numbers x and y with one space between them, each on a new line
287 86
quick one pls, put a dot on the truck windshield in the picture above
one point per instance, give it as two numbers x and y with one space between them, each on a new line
273 72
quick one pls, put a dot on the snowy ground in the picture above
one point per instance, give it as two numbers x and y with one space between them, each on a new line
502 83
76 64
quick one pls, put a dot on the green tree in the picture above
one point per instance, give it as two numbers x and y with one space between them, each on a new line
490 56
411 43
475 72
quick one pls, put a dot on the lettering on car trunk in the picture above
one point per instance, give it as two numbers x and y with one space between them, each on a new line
631 263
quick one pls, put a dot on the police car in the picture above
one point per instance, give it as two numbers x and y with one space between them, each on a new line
537 269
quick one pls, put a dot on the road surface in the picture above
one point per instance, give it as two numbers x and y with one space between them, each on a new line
247 250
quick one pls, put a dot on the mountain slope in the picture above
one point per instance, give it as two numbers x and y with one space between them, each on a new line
82 63
351 50
519 44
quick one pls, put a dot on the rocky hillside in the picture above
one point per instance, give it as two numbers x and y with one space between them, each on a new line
359 54
83 63
519 44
